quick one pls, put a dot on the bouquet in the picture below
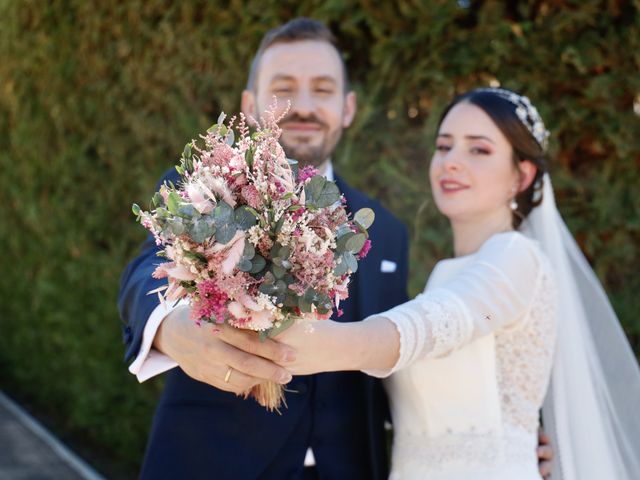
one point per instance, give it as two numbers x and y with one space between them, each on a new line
250 239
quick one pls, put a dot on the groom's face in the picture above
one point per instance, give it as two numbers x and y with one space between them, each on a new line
309 75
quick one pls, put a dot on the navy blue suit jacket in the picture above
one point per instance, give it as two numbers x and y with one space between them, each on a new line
202 432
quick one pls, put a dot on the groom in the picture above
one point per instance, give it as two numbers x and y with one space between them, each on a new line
333 427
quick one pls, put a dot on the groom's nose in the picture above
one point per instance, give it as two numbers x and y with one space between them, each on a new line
303 103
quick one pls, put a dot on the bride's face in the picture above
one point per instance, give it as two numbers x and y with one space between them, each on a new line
472 174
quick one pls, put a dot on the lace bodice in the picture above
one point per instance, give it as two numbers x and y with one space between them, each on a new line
474 364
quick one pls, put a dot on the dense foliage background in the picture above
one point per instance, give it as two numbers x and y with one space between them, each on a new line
98 98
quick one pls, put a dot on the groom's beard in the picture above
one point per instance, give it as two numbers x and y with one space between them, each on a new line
301 147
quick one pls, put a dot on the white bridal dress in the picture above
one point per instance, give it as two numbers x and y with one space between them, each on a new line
475 360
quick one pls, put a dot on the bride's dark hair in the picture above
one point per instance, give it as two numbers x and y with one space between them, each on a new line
525 146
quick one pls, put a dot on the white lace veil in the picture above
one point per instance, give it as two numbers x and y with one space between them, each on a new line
591 410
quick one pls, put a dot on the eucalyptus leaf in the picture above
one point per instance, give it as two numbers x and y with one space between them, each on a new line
268 289
341 267
201 230
244 218
176 226
249 251
257 264
187 210
135 208
321 193
304 305
341 244
173 202
222 214
364 217
245 265
330 194
226 232
350 259
355 243
278 272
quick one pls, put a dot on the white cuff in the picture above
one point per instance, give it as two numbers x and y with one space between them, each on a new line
150 362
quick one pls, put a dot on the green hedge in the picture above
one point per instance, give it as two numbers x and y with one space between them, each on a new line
97 98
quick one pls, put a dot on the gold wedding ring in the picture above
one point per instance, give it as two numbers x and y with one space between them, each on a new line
228 375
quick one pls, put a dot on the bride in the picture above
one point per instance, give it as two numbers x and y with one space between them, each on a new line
515 317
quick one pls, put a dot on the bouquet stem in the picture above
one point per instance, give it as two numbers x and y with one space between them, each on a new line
270 395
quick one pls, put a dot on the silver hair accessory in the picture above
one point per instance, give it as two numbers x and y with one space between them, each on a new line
526 112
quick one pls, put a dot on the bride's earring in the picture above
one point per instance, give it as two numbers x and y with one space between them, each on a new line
513 205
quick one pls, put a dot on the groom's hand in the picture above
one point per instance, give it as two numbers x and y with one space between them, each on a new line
545 454
206 353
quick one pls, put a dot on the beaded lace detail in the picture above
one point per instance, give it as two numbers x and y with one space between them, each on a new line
524 356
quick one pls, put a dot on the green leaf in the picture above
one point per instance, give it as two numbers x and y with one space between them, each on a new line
225 233
245 265
321 193
355 243
222 214
350 259
249 251
176 226
157 199
364 218
284 324
304 305
268 289
258 263
195 256
244 218
173 202
186 153
230 137
201 230
278 272
278 225
136 209
341 267
188 211
341 244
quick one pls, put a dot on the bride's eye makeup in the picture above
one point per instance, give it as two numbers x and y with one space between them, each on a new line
476 150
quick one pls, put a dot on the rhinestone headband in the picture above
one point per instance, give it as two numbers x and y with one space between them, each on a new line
526 112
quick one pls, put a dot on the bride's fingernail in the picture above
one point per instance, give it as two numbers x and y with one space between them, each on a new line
285 377
290 356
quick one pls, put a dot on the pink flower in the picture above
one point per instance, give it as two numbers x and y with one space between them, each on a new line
251 195
364 250
307 172
172 270
211 303
221 155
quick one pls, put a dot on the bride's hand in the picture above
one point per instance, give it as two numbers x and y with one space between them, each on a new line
329 346
319 345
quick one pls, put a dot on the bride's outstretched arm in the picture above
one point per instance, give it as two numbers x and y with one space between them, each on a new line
494 291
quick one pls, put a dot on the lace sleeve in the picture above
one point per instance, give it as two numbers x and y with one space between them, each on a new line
493 291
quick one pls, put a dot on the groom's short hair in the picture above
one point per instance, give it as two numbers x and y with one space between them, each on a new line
296 30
